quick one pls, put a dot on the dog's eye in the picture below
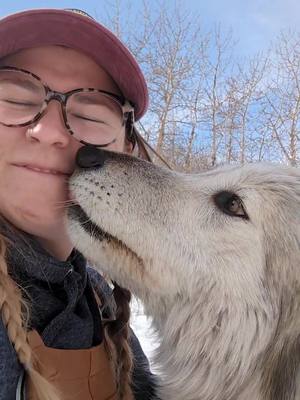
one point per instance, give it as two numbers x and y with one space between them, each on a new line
230 204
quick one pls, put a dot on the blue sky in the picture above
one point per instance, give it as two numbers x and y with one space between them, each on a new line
255 23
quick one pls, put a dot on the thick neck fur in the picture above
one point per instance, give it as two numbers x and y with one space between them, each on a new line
215 352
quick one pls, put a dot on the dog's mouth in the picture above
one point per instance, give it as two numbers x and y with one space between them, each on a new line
76 212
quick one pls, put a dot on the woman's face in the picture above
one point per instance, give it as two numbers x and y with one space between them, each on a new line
32 200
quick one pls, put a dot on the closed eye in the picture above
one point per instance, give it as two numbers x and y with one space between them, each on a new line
19 103
231 204
88 119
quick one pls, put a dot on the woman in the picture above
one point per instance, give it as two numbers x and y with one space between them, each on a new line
65 82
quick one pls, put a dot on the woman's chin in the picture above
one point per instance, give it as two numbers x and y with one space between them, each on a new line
37 218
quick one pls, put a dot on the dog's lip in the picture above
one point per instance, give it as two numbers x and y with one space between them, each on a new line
75 211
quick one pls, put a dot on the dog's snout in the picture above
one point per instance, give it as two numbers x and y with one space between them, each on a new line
90 157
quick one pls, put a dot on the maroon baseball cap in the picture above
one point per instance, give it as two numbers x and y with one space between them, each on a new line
77 30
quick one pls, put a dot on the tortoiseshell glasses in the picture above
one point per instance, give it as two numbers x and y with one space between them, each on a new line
92 116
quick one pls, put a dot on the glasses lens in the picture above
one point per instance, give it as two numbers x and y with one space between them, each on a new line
21 97
94 117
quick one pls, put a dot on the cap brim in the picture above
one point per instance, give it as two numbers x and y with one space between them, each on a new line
44 27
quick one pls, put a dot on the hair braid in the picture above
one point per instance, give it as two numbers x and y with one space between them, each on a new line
117 331
14 311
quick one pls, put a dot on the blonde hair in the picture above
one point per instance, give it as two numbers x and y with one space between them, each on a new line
15 314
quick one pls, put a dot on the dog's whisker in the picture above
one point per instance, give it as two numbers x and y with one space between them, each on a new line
64 204
65 201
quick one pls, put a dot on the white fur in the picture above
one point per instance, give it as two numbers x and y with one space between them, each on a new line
223 292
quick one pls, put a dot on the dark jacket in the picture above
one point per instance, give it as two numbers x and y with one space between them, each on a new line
63 309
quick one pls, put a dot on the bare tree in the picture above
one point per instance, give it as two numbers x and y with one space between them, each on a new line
172 61
282 97
218 63
243 93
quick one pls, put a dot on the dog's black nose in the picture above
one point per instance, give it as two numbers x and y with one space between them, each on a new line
90 157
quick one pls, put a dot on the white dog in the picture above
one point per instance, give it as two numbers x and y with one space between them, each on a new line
215 259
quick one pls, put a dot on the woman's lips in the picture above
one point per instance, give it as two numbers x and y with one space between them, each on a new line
43 171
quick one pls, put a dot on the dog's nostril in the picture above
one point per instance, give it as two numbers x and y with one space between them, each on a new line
90 157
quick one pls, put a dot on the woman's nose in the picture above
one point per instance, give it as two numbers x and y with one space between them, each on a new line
90 157
50 127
